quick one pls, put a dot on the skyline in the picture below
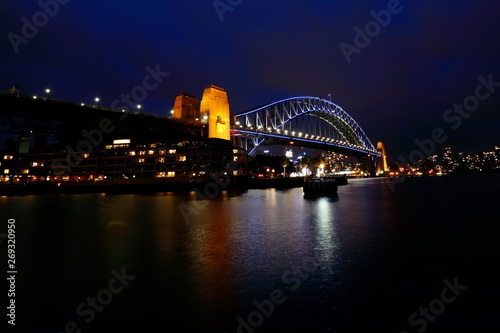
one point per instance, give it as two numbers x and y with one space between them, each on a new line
418 61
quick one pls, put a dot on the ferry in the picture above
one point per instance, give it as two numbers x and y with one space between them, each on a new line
320 187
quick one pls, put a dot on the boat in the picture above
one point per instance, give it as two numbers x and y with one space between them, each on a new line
320 187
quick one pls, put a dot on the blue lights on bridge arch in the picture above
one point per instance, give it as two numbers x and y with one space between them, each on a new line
278 115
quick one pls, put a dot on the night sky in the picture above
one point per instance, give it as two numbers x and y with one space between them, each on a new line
398 86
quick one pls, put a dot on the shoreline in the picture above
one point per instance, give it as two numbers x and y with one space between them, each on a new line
124 186
176 185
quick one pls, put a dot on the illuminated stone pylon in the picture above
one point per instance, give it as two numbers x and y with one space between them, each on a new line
186 107
214 110
382 163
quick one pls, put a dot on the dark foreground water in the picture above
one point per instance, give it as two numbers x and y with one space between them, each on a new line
372 260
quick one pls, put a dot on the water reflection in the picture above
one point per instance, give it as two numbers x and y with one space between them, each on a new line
326 239
234 249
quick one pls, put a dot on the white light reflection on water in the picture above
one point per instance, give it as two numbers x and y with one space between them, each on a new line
326 238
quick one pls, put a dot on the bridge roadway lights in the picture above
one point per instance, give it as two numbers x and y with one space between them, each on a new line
266 135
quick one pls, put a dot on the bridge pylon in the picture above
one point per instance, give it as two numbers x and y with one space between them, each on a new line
382 166
214 110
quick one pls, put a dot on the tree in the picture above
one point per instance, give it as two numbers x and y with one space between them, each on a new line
285 162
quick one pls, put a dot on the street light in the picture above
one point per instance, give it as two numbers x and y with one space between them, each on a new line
97 102
47 91
139 106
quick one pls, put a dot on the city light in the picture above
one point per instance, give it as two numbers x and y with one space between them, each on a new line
121 141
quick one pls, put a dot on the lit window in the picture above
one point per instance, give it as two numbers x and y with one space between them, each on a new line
121 142
151 152
235 151
142 152
162 152
171 174
161 160
171 151
8 157
235 158
141 160
131 153
182 158
85 155
34 164
25 171
161 174
6 171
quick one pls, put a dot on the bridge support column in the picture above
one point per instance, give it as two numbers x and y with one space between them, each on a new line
214 110
382 166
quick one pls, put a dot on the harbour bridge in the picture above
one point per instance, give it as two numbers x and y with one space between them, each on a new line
306 121
303 121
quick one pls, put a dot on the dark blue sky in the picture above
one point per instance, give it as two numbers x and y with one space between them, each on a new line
398 87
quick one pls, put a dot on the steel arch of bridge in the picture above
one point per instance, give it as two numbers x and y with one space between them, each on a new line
275 120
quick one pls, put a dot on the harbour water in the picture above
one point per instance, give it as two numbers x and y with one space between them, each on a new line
374 258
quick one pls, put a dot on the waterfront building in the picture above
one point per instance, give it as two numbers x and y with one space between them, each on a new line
201 158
